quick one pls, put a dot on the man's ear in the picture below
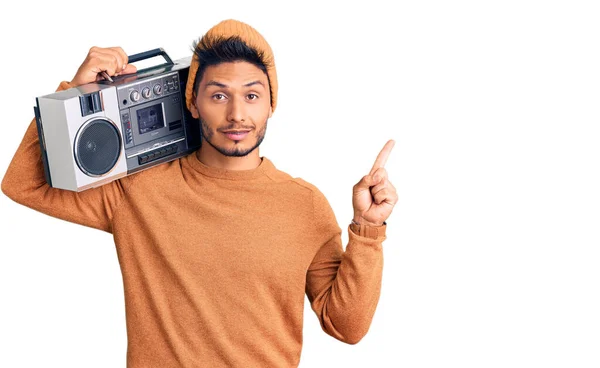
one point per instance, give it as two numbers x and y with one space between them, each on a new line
194 110
270 111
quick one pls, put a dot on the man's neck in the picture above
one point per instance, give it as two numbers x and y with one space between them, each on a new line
214 158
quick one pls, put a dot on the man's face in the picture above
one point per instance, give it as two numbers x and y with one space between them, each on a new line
234 96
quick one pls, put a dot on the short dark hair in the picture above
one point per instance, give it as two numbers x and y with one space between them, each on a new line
217 50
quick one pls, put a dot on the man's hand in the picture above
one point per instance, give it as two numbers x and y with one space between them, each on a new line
112 60
374 196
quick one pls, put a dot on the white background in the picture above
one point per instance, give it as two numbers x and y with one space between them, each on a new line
493 250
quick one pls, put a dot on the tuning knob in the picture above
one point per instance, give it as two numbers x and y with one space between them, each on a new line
146 92
157 89
134 96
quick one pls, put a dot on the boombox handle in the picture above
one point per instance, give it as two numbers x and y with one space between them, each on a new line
150 54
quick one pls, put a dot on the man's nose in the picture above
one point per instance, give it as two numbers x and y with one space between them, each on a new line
237 110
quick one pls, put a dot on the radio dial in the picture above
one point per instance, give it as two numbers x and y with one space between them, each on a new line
157 89
146 92
134 96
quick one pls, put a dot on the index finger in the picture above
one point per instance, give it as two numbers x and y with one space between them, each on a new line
383 156
122 54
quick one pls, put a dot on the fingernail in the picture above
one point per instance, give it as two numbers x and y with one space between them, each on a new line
124 66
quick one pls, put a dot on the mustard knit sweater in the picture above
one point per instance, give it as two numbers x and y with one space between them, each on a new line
216 263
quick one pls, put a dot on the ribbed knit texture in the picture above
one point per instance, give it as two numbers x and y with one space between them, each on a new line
229 28
216 263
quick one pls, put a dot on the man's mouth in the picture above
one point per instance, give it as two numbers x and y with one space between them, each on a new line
236 135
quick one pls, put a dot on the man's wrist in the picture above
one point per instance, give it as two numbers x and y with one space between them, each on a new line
360 221
368 229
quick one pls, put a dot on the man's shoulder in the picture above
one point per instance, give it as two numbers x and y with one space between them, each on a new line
279 175
305 184
304 191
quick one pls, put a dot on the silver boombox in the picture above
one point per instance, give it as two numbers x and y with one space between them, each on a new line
99 132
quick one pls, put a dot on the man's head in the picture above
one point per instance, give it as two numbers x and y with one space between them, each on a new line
232 86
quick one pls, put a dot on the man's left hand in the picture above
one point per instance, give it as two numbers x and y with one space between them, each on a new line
374 196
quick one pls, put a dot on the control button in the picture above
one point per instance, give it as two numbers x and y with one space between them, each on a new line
134 96
142 159
157 89
146 92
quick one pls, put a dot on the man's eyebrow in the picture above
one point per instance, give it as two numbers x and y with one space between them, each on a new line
221 85
253 83
215 83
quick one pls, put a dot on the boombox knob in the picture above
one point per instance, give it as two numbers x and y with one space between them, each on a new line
146 92
157 89
135 96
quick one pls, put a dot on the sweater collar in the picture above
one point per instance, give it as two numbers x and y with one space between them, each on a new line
216 172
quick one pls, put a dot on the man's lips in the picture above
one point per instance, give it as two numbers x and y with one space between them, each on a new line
236 135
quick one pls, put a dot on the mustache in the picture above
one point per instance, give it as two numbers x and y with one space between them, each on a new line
230 127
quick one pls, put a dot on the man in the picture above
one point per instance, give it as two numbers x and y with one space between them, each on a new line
218 248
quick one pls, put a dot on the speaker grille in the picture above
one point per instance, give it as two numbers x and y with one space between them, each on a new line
97 147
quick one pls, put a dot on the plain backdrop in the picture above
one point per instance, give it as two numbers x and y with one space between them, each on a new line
493 250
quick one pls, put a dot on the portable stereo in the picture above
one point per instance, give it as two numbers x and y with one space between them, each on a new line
99 132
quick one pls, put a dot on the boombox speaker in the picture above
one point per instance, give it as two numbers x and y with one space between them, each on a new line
99 132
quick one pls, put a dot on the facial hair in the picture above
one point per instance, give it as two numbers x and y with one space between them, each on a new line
236 151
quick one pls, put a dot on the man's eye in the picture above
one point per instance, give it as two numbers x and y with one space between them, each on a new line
219 96
252 96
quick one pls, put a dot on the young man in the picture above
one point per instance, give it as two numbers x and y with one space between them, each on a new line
218 248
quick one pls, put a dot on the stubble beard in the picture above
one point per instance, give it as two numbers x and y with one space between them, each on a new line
237 150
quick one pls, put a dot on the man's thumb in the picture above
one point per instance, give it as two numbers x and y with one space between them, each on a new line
366 182
129 69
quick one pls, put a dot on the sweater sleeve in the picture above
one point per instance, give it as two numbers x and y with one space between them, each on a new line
343 287
24 182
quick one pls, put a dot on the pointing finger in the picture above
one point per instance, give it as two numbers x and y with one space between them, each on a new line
383 156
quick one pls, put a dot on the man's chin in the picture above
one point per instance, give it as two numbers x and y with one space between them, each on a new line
231 148
237 151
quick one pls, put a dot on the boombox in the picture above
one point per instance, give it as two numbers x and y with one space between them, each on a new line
99 132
